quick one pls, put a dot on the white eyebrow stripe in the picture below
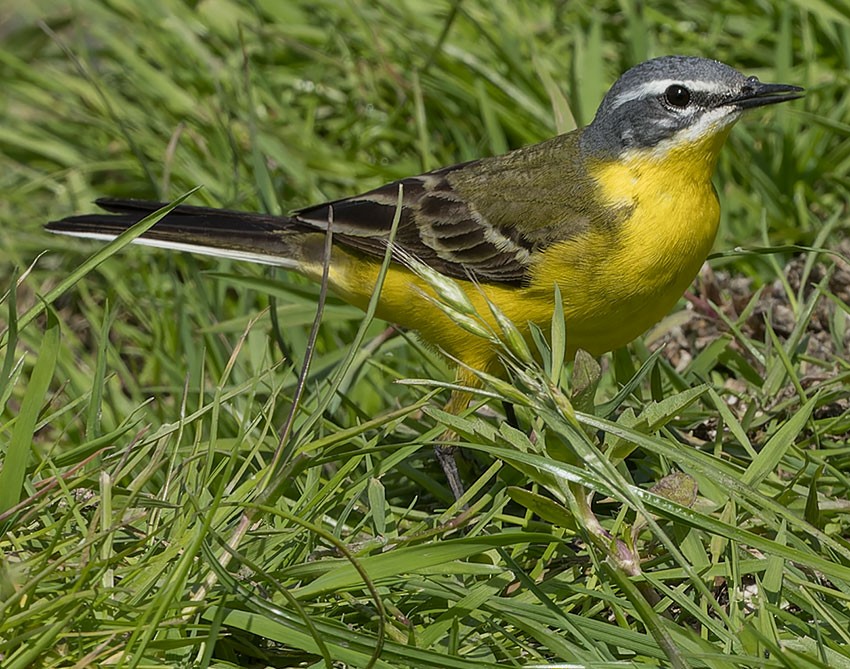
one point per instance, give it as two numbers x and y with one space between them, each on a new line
658 86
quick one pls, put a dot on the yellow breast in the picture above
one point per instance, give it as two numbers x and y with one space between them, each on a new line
619 282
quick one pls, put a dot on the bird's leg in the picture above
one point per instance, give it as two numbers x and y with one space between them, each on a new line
444 450
446 457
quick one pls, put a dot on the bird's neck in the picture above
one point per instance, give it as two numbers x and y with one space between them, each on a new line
669 168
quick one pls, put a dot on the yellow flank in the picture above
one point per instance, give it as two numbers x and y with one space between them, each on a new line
352 278
615 283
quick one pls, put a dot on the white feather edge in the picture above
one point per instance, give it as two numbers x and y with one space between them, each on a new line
234 254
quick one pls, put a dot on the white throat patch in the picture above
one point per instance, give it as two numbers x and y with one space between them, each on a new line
707 124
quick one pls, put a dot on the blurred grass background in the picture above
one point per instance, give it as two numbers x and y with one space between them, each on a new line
141 407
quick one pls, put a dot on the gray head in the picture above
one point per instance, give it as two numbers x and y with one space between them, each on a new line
666 101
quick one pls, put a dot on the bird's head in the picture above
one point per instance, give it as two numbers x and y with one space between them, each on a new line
675 102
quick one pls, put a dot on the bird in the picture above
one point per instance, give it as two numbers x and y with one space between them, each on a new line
619 215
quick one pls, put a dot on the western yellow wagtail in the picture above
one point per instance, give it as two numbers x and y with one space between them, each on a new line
619 214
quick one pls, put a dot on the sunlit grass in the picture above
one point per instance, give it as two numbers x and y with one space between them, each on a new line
143 406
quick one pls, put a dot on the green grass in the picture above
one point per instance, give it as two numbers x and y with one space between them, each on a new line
144 393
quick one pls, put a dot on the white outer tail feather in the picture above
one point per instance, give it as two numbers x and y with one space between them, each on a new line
234 254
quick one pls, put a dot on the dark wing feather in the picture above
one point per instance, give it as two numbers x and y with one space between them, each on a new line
437 226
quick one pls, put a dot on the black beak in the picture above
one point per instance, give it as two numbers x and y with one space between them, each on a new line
756 94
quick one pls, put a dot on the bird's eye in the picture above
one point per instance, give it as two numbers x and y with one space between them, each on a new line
677 96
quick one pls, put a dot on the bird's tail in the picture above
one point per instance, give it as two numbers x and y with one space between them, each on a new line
273 240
